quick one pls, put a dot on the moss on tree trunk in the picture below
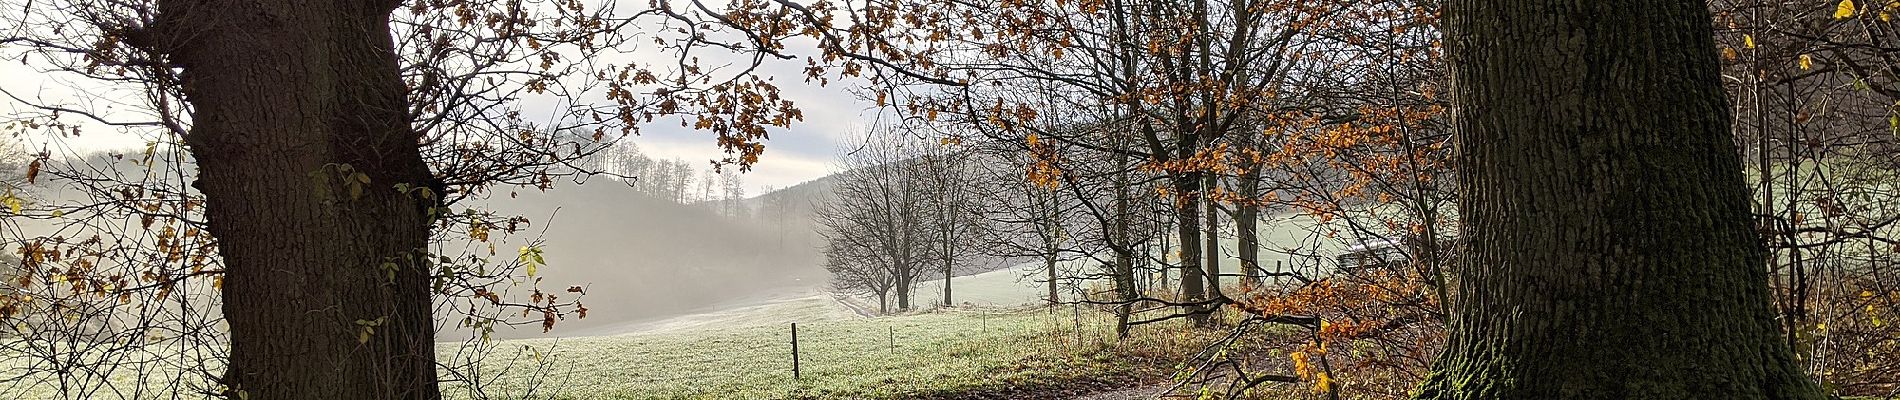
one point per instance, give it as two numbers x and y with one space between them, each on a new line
1609 250
300 131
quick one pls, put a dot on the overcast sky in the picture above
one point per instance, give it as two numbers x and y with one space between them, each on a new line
832 116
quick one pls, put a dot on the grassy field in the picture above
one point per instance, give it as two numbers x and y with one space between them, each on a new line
1287 244
979 352
1034 352
1001 345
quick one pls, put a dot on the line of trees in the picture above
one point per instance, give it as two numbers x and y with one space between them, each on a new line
1812 99
1335 118
306 161
900 211
675 179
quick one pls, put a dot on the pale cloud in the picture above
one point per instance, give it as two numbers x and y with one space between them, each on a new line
833 115
59 89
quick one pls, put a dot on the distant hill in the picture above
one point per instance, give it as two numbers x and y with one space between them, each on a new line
798 205
645 258
642 258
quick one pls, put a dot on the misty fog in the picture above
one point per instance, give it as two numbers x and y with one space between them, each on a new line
642 258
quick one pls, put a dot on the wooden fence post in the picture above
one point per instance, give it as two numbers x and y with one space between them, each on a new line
795 374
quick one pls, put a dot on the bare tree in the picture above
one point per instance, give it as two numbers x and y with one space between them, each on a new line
878 212
858 267
731 194
949 174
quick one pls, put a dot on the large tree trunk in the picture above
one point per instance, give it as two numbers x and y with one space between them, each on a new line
949 226
949 206
1609 248
1124 268
1212 236
1049 265
907 268
903 290
1161 232
1247 217
1247 229
285 94
1187 230
946 284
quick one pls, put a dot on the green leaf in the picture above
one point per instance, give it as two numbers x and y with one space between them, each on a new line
12 202
389 270
530 256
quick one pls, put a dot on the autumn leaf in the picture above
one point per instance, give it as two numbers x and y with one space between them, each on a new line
1806 62
1845 10
531 258
12 202
1748 41
33 171
1300 364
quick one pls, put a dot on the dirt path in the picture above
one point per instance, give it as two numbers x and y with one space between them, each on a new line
1134 393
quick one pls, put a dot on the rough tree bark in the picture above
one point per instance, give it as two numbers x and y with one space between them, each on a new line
1609 248
1050 230
946 284
1049 266
1247 216
1187 229
285 94
906 270
903 288
1212 235
1124 267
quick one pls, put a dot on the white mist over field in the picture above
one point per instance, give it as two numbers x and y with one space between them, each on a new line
643 258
